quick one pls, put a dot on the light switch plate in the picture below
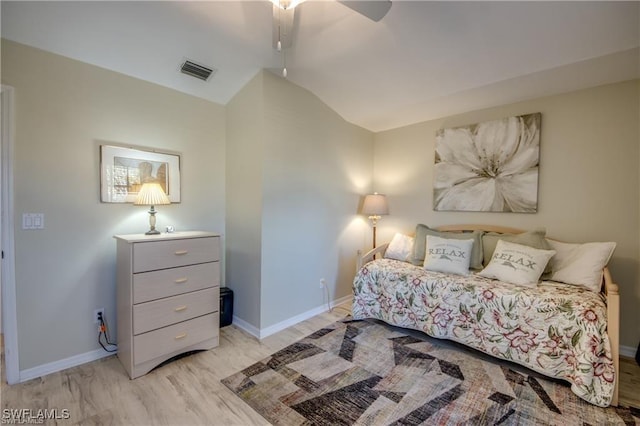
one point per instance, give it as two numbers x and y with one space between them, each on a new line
33 221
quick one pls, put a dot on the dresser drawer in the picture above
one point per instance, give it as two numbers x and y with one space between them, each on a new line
151 256
160 313
170 282
156 343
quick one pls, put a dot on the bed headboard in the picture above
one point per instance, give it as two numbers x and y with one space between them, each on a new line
485 228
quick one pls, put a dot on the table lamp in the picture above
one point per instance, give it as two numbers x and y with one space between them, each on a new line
151 194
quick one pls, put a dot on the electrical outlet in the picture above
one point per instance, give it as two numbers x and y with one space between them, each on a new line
97 314
322 282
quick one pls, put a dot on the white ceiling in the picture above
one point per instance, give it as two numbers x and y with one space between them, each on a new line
422 61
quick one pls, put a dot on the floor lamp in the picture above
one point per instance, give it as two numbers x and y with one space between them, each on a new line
375 206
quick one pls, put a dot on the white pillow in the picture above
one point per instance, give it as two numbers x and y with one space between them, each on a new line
517 264
580 264
400 248
448 255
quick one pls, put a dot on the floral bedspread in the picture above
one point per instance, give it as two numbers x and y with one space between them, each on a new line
555 329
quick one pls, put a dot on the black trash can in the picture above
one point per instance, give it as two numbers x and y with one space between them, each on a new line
226 306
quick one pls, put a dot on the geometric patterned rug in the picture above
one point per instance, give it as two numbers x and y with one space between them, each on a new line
368 373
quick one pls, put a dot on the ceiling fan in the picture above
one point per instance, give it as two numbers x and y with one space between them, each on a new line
284 13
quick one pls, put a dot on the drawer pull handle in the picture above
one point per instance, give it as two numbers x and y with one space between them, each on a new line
180 336
180 252
181 280
180 308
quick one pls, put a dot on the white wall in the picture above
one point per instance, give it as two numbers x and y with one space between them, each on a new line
589 166
64 111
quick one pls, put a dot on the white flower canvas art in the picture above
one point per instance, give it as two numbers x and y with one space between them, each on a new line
488 167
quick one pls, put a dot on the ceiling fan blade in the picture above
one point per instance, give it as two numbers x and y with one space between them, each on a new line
372 9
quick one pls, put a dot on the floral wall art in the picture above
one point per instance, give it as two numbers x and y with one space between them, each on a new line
488 167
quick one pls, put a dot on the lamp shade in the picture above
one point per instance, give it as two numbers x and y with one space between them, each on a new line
151 194
375 205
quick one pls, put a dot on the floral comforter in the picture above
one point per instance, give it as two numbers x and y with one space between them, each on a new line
555 329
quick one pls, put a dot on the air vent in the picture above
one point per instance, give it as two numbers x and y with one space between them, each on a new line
197 70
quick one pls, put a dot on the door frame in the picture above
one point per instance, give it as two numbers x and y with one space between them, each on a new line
7 271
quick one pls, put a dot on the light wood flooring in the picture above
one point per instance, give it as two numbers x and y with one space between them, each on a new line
187 391
629 383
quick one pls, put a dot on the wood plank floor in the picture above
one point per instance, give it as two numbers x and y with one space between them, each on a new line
187 391
629 383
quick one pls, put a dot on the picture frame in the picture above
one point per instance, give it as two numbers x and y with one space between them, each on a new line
123 170
490 166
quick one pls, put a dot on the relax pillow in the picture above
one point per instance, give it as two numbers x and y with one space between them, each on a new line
448 255
580 264
517 264
419 247
400 248
535 239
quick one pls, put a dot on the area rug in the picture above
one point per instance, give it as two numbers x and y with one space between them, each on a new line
367 373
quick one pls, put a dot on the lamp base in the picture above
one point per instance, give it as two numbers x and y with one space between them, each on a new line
152 222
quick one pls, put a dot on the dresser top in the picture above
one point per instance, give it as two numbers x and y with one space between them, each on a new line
138 238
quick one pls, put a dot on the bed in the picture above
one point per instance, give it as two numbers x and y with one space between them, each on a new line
562 331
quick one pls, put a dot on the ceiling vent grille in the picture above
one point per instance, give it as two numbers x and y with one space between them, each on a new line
197 70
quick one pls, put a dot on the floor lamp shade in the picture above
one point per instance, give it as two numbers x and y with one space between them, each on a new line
375 206
151 194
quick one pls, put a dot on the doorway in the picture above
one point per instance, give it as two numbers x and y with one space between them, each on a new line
8 315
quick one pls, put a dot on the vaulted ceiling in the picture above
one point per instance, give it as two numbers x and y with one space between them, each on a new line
422 61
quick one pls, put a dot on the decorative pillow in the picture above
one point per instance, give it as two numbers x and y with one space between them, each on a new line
517 263
535 239
580 264
400 248
419 248
448 255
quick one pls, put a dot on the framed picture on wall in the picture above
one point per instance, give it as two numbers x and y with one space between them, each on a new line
123 170
488 167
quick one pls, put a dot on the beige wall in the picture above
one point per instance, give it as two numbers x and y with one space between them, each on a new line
64 110
589 164
245 130
295 173
289 182
316 166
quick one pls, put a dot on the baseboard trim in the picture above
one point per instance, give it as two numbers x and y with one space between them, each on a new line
243 325
627 351
268 331
73 361
63 364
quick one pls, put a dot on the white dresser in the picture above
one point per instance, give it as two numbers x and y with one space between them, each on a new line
168 297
